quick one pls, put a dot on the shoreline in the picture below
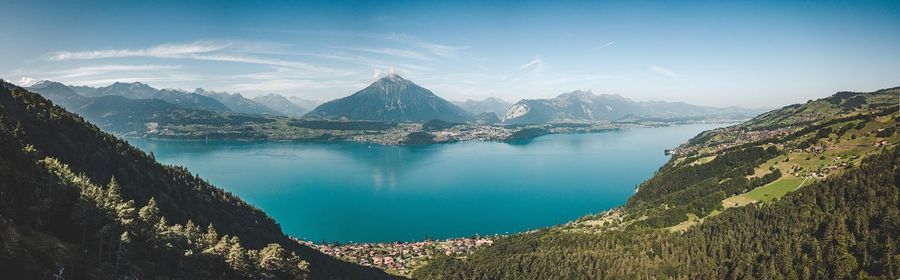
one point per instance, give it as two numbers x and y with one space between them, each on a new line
373 139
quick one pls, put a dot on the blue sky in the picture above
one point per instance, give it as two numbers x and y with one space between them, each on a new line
718 53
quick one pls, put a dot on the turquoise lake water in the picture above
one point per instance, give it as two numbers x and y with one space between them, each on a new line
355 192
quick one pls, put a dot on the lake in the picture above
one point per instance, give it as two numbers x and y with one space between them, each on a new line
356 192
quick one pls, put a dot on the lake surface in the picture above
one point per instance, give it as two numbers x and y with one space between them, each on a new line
355 192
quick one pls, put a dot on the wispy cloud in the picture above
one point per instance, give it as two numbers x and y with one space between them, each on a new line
265 61
224 51
403 68
432 48
402 53
534 63
603 46
441 50
664 71
106 69
26 81
159 51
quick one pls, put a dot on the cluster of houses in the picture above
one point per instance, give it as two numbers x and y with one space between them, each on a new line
400 257
815 149
469 132
761 135
739 137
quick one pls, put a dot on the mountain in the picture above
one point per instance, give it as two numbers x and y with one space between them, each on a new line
79 202
285 106
59 93
391 98
237 103
305 103
139 90
584 106
487 118
490 104
114 113
808 191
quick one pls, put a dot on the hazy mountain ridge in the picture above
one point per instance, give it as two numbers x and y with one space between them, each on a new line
288 106
584 106
113 112
391 98
490 104
138 90
238 103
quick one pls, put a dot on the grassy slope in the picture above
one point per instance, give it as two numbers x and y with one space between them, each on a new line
775 189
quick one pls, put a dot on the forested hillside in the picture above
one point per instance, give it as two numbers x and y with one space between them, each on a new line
809 191
77 201
842 228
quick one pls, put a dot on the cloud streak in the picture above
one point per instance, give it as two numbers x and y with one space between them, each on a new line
433 48
159 51
536 62
603 46
664 71
409 54
236 52
106 69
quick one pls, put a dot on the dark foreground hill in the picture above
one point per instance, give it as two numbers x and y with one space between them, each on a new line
82 203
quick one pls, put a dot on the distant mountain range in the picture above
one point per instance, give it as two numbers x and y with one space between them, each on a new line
237 103
391 98
584 106
139 90
490 104
203 99
288 106
125 107
117 113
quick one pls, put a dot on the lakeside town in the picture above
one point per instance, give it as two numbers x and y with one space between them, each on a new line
401 258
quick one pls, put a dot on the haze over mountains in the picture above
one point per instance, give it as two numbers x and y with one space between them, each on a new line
110 112
491 104
237 103
138 90
585 106
288 106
